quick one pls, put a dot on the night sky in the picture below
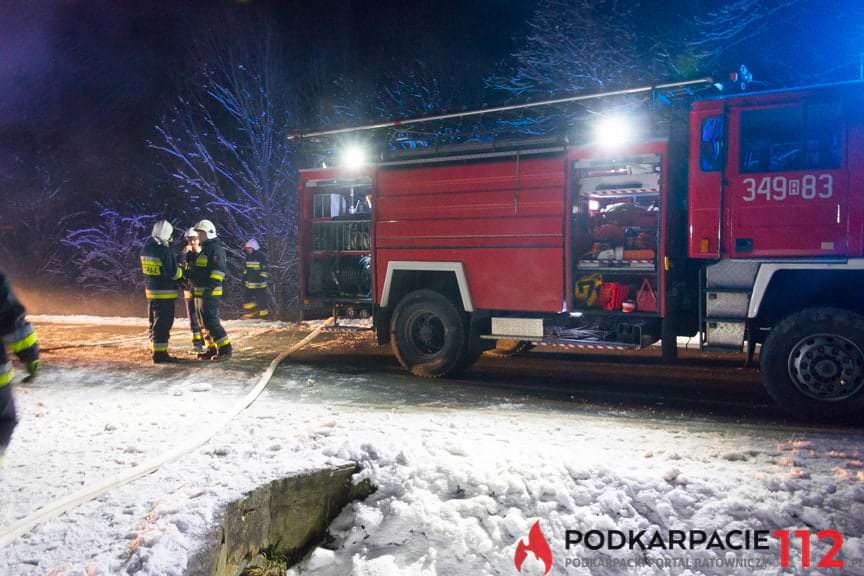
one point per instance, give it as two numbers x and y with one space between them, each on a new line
102 71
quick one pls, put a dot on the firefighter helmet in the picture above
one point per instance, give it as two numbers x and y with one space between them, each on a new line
253 244
207 227
162 231
191 233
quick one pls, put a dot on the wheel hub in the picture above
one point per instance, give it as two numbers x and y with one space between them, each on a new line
427 333
827 367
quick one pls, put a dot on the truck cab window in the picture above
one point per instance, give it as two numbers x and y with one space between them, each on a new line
772 140
823 136
712 144
791 138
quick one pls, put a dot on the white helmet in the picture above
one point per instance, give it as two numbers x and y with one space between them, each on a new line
191 233
162 231
253 244
207 227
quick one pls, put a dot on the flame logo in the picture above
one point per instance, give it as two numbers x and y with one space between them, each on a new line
538 545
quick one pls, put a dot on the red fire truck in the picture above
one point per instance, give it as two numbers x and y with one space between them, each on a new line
745 229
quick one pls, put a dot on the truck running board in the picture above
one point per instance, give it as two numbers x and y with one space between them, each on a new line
569 342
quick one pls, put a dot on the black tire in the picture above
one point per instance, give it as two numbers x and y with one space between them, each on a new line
813 364
508 348
428 334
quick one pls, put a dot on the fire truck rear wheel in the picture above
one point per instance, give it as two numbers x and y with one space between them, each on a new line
428 334
813 363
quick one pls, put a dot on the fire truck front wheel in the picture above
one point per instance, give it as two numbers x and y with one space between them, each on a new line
428 334
813 363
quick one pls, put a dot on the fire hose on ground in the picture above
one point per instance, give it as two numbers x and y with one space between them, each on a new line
75 499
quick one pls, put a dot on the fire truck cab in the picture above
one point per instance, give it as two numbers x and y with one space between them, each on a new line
745 229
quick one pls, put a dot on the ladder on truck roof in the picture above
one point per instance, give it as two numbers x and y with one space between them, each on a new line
651 90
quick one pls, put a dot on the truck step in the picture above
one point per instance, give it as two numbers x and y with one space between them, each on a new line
722 349
726 303
575 343
724 333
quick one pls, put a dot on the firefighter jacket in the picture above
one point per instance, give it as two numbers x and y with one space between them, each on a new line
161 272
255 274
209 269
16 333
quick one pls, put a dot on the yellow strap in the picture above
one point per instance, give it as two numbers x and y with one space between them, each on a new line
201 260
24 343
159 347
223 342
178 274
217 275
249 305
253 265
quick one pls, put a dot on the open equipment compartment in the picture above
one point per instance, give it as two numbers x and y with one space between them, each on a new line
615 233
341 264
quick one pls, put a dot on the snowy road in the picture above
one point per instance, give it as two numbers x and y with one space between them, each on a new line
464 467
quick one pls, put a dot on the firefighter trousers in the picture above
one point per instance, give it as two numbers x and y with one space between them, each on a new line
256 303
209 308
8 418
194 322
161 313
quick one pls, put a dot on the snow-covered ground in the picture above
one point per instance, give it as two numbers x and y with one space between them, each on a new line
460 483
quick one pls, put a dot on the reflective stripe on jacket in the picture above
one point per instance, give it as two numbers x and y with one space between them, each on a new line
161 273
209 269
16 333
255 272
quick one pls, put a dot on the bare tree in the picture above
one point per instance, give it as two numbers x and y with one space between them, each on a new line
574 46
105 256
738 22
227 146
785 41
36 215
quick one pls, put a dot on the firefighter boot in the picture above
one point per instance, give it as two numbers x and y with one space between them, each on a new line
224 353
163 358
209 354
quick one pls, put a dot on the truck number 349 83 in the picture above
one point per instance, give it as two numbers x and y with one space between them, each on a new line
780 188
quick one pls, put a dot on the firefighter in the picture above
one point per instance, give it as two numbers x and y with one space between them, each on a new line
161 275
20 339
207 276
255 279
190 252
